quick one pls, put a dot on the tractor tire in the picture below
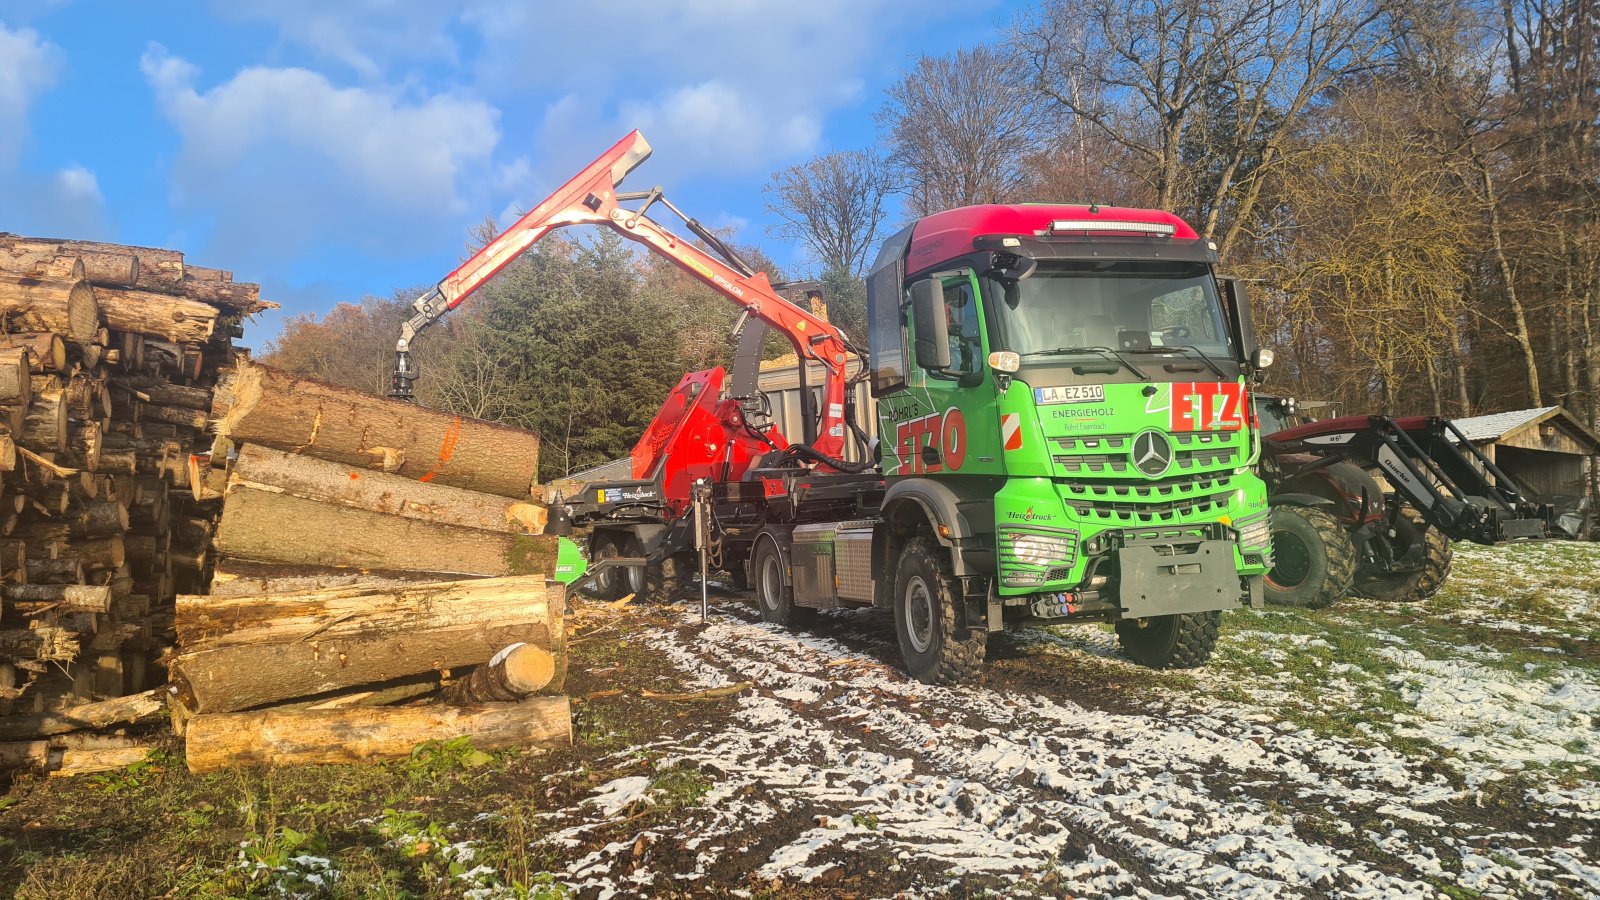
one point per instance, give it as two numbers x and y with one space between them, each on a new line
1313 559
1419 584
665 581
1170 642
934 643
774 593
612 584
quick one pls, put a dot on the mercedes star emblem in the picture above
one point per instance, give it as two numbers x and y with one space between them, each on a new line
1152 453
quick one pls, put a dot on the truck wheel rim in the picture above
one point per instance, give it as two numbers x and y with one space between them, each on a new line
771 582
919 615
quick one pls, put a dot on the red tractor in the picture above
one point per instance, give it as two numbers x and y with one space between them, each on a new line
1369 505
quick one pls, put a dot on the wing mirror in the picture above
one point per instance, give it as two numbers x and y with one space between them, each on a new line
927 316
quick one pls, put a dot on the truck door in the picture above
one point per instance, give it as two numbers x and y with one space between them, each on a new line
935 424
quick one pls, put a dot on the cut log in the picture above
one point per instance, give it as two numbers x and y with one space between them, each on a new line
512 674
44 428
16 376
137 709
18 253
44 642
348 736
47 352
8 454
176 319
101 518
158 269
265 469
246 651
102 553
176 415
271 527
243 578
157 390
67 597
240 298
50 304
299 415
205 273
119 462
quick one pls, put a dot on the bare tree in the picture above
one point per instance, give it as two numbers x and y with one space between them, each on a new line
1202 92
834 205
960 128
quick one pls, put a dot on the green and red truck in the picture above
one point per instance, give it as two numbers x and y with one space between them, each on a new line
1061 395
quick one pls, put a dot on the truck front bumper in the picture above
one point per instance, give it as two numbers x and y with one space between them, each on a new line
1170 579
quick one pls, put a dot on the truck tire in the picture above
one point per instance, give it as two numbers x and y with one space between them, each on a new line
936 646
774 593
1170 642
612 584
1313 559
1418 584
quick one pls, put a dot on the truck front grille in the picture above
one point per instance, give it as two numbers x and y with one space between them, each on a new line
1103 486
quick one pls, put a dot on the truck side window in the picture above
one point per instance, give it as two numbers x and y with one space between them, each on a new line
966 338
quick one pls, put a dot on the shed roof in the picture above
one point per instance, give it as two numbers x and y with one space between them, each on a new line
1496 426
1488 428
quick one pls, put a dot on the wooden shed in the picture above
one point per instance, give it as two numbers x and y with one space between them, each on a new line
1546 449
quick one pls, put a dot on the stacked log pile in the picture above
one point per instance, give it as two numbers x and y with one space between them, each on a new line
347 523
318 536
108 356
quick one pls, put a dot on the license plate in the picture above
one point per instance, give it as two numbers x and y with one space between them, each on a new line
1071 393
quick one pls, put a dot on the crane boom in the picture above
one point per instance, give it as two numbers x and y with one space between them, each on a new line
591 198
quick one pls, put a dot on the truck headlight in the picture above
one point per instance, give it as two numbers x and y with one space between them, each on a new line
1255 532
1038 549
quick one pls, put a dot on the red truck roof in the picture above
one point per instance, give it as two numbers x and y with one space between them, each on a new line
950 234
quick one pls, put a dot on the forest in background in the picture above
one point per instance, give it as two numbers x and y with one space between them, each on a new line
1412 191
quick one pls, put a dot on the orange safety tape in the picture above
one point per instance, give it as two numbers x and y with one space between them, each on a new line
446 451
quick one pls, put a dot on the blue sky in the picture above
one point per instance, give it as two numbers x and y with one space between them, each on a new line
330 150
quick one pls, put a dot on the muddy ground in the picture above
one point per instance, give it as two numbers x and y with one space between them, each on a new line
1368 750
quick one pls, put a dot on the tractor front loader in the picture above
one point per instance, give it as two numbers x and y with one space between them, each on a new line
1369 505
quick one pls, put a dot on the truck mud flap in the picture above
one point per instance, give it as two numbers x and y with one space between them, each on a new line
1163 580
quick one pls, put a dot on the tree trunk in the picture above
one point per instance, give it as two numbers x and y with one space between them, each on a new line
348 736
175 319
247 651
1530 360
48 304
271 527
297 415
265 469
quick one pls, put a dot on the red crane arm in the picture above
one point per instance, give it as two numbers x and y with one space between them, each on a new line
591 198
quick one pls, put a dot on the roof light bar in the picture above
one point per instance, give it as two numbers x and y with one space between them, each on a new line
1160 229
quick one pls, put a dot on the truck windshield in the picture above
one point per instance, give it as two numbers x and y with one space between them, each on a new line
1123 305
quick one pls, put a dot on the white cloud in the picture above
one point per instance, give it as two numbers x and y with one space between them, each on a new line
719 86
369 36
28 67
280 159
